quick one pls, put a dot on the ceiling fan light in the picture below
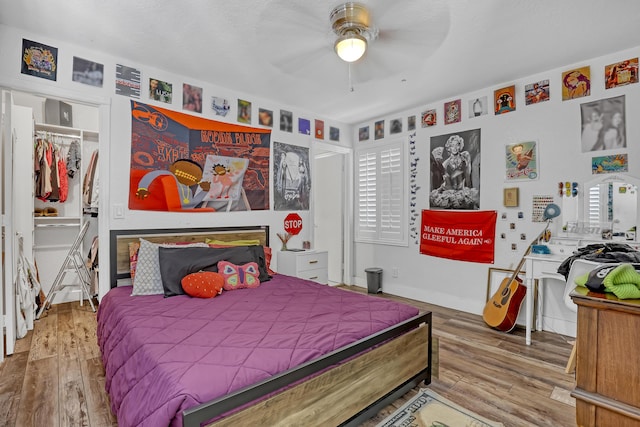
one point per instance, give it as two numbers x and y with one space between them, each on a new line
350 47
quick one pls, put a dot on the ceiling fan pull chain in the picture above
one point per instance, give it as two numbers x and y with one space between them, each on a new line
350 84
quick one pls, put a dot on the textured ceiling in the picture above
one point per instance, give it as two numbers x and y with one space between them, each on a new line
282 50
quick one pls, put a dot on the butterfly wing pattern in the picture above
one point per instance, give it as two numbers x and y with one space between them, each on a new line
239 276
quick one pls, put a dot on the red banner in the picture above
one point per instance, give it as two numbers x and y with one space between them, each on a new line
463 236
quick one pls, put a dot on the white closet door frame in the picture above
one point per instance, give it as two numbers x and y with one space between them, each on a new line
9 316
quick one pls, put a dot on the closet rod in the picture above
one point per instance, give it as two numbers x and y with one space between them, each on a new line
65 135
58 225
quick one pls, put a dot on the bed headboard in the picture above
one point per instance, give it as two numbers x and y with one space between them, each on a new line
119 242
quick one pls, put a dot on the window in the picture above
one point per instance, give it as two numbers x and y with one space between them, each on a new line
381 194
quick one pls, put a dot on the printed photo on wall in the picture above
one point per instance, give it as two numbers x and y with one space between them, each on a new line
411 123
603 124
265 117
535 93
395 126
292 177
244 111
505 100
363 133
576 83
334 133
429 118
304 126
319 126
191 98
455 171
160 91
128 81
621 73
609 164
521 161
478 106
379 129
452 112
286 121
39 60
220 106
87 72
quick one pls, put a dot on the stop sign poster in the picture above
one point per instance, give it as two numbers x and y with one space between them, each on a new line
293 223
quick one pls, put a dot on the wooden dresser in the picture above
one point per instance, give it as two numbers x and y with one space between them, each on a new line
607 388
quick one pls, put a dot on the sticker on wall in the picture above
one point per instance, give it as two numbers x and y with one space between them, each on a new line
265 117
621 73
220 106
379 129
304 126
319 126
39 60
478 107
539 205
452 112
244 111
160 91
535 93
87 72
603 124
363 133
576 83
505 100
521 161
286 121
191 98
609 164
429 118
127 81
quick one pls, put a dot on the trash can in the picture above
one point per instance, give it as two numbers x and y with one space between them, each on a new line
374 280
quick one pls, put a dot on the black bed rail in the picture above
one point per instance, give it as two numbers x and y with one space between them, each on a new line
193 417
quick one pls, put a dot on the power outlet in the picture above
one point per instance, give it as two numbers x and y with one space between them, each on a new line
394 272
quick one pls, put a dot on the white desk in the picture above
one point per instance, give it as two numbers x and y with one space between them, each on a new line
539 267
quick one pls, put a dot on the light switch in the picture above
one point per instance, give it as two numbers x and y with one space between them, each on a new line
118 211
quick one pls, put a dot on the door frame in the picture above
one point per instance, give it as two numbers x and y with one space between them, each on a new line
347 203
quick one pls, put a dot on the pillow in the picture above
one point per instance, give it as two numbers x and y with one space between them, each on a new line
267 259
148 280
222 243
177 262
203 284
133 258
239 276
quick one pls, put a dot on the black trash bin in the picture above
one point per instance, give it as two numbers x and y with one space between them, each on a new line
374 280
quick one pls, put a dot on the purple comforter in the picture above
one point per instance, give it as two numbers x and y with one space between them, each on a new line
164 355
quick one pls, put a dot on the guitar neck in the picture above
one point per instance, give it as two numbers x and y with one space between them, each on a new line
522 260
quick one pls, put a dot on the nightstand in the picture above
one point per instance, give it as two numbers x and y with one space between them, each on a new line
310 265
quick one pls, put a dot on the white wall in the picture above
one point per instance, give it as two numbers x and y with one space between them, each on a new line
115 136
556 126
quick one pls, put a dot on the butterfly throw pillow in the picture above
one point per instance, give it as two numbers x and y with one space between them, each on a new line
239 276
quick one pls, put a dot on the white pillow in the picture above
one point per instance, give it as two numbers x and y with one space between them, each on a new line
147 280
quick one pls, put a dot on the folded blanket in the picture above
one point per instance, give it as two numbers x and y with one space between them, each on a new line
622 280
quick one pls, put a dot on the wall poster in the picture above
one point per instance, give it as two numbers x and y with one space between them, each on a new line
455 171
291 173
185 163
521 161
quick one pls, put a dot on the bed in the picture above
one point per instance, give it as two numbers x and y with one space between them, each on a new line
170 360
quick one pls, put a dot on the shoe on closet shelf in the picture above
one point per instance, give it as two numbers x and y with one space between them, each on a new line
50 212
38 212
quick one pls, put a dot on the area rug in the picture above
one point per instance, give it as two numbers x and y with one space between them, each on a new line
429 409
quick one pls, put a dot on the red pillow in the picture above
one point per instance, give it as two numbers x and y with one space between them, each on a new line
239 276
203 284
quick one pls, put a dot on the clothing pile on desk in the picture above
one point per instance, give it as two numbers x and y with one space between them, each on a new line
619 275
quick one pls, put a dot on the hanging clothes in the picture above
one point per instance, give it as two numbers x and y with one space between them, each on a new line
50 168
73 159
90 186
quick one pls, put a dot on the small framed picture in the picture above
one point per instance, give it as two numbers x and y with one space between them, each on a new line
511 196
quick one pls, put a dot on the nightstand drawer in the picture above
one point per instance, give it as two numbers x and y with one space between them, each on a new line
319 275
311 261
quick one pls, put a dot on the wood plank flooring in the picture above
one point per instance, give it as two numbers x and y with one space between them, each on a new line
56 378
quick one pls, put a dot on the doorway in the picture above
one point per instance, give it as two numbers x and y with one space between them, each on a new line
331 208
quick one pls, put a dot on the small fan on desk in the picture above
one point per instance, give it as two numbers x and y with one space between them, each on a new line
501 311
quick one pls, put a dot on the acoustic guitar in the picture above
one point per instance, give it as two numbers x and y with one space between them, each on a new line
501 311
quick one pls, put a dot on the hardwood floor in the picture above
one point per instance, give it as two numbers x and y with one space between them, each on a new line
56 379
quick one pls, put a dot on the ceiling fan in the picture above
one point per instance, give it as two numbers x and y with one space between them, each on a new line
304 39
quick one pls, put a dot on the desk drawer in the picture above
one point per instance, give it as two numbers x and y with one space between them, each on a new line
546 269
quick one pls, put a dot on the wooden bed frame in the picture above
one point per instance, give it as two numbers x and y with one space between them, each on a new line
343 388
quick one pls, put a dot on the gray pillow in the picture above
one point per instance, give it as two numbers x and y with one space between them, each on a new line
176 263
